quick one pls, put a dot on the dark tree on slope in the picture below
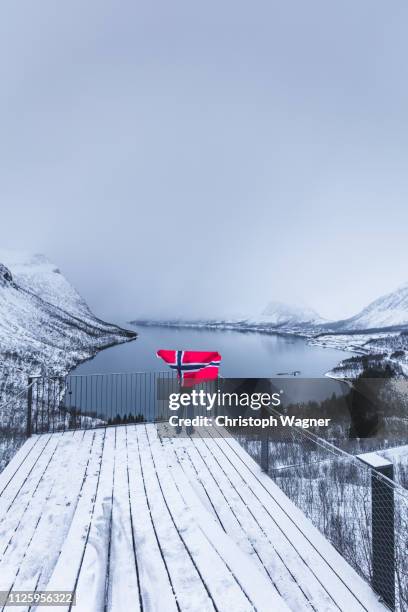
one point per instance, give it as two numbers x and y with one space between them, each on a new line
366 409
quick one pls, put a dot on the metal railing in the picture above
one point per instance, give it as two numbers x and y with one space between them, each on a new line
360 510
13 425
353 501
96 400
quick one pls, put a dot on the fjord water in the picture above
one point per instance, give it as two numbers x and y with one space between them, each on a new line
244 354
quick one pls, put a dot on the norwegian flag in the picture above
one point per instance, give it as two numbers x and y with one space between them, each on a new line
192 366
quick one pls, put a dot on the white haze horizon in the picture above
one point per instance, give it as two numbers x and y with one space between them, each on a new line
10 255
199 161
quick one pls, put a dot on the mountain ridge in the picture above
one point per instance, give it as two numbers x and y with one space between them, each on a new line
45 325
387 312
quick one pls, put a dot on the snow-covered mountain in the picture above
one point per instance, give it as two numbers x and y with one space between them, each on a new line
277 315
45 326
387 311
280 314
35 273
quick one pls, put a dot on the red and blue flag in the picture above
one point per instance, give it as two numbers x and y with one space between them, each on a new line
192 366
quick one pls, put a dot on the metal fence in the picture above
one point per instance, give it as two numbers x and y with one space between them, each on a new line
97 400
359 509
13 403
352 500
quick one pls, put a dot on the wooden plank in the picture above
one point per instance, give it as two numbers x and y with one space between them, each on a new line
23 473
200 484
219 497
17 462
342 583
66 571
90 589
122 586
44 549
232 577
156 589
138 523
32 486
263 536
295 580
186 581
20 522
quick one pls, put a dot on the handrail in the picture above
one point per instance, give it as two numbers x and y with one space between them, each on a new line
336 451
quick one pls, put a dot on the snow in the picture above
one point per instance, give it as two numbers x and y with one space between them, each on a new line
358 333
390 310
36 273
279 313
125 516
45 328
396 452
42 317
374 460
276 316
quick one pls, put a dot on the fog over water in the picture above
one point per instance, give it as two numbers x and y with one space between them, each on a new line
185 159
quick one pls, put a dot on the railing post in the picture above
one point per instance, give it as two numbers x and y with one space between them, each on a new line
264 444
29 406
382 525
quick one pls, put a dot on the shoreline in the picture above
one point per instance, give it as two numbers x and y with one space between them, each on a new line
18 375
99 349
362 343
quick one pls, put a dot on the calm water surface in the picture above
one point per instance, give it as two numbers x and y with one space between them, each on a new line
247 354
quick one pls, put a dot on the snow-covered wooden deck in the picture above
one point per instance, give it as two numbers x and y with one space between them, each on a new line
134 522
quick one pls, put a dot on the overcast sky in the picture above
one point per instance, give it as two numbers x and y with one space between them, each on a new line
185 158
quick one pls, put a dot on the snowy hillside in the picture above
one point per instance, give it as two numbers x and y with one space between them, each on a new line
35 273
281 314
42 315
390 310
45 326
379 330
